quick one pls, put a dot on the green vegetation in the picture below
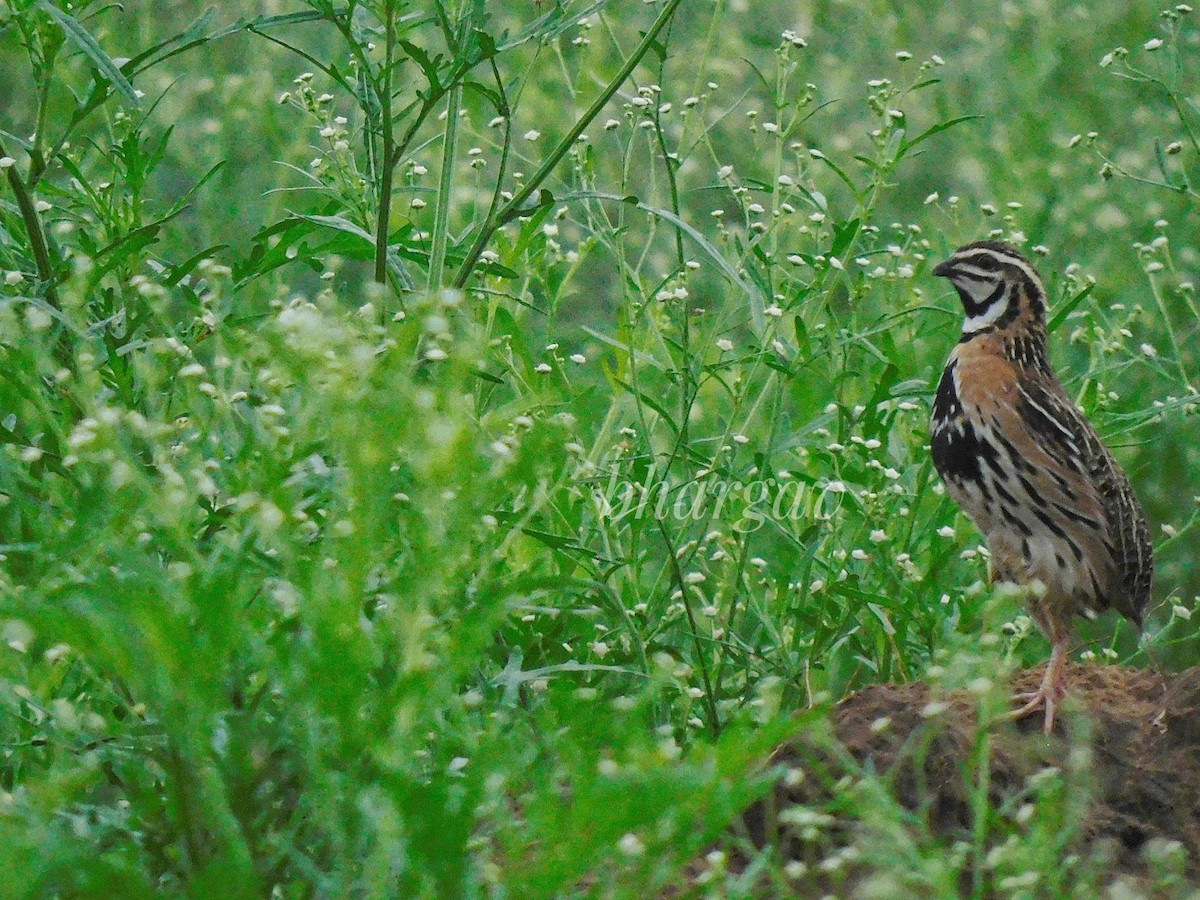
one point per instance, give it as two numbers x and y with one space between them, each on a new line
485 542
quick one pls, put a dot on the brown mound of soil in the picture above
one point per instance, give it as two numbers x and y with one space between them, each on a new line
1145 760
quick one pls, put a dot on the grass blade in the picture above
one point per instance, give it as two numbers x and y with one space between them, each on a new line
82 38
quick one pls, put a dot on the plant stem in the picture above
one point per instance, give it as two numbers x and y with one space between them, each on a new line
510 209
1176 350
382 222
710 700
37 235
980 803
441 222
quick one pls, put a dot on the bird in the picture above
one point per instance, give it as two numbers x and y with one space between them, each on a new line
1058 513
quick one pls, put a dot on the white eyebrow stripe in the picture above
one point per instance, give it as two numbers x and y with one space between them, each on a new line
1027 269
1003 258
986 318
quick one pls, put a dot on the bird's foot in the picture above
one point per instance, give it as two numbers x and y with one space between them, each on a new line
1034 702
1047 697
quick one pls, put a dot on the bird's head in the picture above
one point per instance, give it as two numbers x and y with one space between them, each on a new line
997 285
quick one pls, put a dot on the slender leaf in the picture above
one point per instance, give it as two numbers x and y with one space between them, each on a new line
82 38
755 296
936 129
1067 308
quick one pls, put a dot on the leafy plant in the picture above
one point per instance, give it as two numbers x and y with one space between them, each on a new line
469 505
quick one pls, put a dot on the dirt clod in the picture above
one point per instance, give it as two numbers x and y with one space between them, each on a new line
1143 729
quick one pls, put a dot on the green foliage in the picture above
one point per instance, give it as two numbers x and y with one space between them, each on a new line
465 506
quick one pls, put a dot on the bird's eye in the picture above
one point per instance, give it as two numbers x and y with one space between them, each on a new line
987 263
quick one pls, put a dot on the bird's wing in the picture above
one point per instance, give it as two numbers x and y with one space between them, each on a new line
1072 443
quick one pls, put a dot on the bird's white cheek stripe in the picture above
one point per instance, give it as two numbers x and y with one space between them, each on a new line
979 288
988 317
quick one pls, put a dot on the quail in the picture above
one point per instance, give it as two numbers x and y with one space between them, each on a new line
1015 453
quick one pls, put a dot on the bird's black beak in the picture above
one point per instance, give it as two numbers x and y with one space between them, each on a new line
943 270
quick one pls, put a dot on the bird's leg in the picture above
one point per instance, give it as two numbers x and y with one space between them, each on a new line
1052 689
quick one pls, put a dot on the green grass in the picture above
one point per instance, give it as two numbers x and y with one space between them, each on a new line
484 543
